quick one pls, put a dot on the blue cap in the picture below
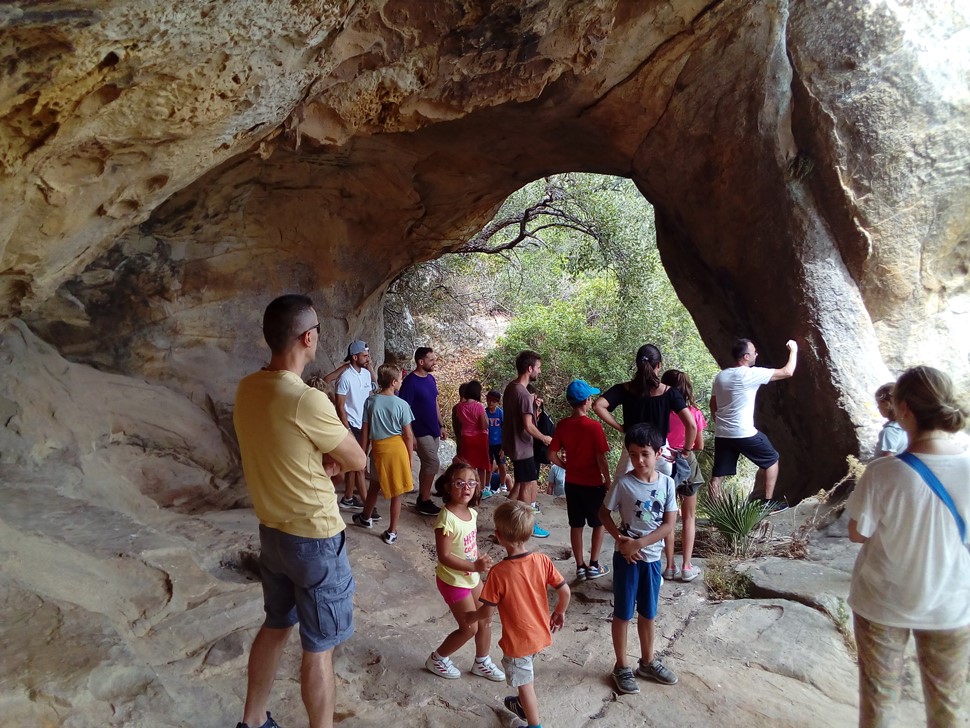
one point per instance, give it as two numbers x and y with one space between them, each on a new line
579 391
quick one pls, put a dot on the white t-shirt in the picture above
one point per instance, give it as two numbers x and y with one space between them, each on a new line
913 572
642 507
356 386
734 391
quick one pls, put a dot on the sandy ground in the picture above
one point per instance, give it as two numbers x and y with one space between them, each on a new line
741 663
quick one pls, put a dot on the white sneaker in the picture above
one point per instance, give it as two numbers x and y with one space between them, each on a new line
442 667
488 670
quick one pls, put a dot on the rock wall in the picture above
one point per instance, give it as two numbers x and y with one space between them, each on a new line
166 173
167 169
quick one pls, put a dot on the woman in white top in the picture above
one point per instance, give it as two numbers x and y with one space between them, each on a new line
913 572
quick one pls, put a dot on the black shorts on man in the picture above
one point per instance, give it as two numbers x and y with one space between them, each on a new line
525 471
757 449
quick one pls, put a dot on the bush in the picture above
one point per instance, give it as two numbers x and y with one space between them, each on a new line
735 517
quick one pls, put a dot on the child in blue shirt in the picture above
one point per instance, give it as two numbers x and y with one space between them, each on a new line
495 418
892 438
647 502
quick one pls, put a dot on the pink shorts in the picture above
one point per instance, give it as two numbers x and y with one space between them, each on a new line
452 594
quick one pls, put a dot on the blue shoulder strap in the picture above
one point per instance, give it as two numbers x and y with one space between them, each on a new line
937 487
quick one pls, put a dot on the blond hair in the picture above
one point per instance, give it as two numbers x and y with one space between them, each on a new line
514 521
386 374
928 393
885 394
318 382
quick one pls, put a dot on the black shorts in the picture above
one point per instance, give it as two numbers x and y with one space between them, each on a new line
525 471
757 449
583 505
495 454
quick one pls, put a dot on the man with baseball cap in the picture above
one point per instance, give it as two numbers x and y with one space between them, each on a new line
582 440
354 386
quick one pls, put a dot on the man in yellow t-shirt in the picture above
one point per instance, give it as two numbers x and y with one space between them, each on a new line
292 441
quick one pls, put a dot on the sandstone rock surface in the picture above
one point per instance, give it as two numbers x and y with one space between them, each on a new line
165 170
121 610
165 174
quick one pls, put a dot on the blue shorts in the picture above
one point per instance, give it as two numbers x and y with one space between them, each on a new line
307 580
756 448
636 584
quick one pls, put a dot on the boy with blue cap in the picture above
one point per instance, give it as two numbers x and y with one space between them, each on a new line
579 445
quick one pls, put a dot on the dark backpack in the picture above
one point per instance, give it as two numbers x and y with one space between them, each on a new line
540 450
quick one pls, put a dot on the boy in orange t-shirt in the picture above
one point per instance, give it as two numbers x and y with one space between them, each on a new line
517 587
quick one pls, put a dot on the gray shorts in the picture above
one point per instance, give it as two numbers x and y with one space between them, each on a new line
427 449
518 670
307 580
694 480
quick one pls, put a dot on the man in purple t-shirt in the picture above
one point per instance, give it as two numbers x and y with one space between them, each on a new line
420 390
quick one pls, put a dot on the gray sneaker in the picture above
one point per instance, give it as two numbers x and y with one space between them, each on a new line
658 672
625 682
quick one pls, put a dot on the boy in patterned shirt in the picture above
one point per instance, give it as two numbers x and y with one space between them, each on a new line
647 502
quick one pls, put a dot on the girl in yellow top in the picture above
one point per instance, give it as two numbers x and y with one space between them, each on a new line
456 540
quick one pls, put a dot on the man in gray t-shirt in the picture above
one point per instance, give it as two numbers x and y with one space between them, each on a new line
519 430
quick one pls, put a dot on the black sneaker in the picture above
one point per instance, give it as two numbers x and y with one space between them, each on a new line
351 504
427 508
359 519
375 516
777 506
513 705
270 723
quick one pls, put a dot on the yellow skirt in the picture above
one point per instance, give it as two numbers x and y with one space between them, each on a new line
392 467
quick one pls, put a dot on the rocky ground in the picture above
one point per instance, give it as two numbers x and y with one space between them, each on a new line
127 595
151 627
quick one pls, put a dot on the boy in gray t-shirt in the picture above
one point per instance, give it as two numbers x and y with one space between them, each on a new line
647 502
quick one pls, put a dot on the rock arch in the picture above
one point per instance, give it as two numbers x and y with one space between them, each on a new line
805 162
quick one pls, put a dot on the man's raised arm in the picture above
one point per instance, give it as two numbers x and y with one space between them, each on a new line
789 368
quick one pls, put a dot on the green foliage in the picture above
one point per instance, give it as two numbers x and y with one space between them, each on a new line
735 517
574 266
723 580
590 295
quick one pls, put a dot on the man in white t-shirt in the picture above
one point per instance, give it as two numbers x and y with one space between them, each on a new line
354 386
732 409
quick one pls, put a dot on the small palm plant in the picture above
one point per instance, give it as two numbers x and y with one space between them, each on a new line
735 517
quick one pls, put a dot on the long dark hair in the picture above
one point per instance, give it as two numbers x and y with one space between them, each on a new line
680 381
645 379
